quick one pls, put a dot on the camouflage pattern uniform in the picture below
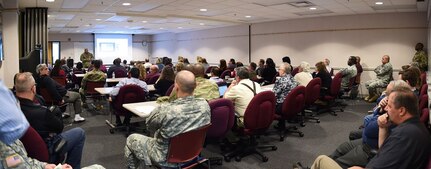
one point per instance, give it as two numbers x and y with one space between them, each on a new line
384 76
15 153
86 59
204 89
348 73
166 121
422 59
92 76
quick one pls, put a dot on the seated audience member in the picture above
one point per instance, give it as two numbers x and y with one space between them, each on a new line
142 71
159 64
186 61
359 151
222 66
205 88
79 68
205 64
384 76
407 146
56 70
286 59
102 66
125 65
94 75
359 69
259 69
231 65
252 70
348 72
46 123
66 67
14 125
241 91
179 67
282 87
303 77
195 112
147 64
134 75
412 77
328 68
116 67
166 80
57 92
269 71
154 71
215 75
322 73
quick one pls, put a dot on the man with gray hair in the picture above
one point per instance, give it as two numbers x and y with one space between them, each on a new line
58 92
181 115
241 91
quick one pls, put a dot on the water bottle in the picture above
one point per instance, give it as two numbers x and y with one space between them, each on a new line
113 75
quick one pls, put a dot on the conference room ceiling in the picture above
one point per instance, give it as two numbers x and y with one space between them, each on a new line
161 16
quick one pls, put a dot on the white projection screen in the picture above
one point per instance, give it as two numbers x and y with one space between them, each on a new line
108 47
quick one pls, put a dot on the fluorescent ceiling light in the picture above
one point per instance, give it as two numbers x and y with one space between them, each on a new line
50 0
126 4
379 3
98 19
144 21
162 28
180 27
203 10
313 8
201 24
248 16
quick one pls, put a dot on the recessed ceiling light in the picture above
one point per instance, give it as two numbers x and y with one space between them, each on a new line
203 10
49 16
201 24
78 31
180 27
98 19
87 25
162 28
144 21
248 16
50 0
126 4
379 3
313 8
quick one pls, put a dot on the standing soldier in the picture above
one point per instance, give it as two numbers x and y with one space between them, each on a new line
86 58
421 57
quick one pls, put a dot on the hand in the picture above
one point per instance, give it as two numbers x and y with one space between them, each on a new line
50 166
233 83
66 166
383 121
356 167
383 103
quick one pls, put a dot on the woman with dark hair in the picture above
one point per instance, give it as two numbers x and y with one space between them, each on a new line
222 65
322 73
232 64
57 71
167 78
269 71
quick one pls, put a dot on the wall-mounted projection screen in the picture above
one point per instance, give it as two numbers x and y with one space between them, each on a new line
108 47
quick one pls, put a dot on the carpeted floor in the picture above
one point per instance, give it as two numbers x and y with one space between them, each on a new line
107 149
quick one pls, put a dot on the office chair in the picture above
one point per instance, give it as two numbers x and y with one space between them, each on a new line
331 97
127 94
312 94
293 104
258 116
34 145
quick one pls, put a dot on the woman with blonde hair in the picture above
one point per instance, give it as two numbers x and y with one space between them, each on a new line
322 73
142 71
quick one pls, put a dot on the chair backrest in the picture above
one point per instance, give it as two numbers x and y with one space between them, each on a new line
77 80
425 115
259 113
209 69
153 79
222 117
187 146
423 101
46 96
34 145
423 78
225 73
335 85
60 80
295 71
90 89
120 73
127 94
312 91
169 91
294 102
424 90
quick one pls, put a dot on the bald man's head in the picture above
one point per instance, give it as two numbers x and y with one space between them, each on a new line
199 70
185 81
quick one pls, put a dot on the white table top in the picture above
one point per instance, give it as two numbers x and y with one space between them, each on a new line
114 80
267 87
80 75
142 109
104 90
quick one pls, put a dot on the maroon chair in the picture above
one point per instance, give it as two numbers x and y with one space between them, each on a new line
225 73
423 102
90 92
333 94
60 80
153 79
119 73
257 118
424 90
77 80
209 69
295 71
312 93
293 104
127 94
222 121
424 118
169 91
34 145
423 78
184 148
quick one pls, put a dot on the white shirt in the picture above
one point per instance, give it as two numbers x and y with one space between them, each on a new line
128 81
242 95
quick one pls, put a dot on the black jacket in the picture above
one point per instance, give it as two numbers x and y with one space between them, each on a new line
56 90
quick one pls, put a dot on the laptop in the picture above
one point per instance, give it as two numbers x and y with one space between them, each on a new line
222 89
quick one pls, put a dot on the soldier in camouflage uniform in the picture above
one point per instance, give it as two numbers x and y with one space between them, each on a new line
184 114
93 76
384 76
348 72
421 57
86 58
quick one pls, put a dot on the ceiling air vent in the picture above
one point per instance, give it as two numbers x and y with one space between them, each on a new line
301 4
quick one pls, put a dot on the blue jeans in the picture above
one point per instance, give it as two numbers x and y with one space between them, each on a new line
75 143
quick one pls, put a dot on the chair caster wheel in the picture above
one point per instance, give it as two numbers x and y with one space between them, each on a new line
274 148
295 128
111 131
317 121
302 124
301 134
265 159
342 110
281 138
237 159
227 159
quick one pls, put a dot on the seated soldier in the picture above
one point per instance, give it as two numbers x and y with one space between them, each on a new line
384 76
